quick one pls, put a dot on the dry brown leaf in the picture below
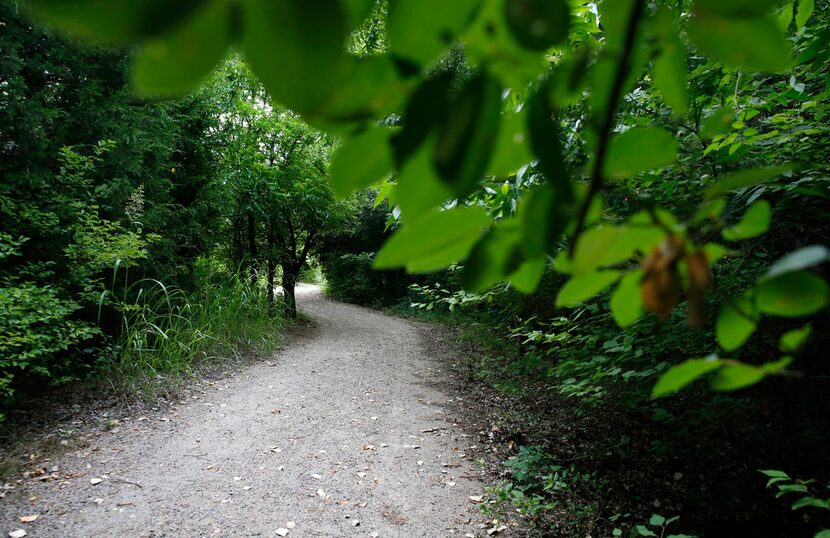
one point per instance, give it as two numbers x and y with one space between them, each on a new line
29 519
697 265
661 287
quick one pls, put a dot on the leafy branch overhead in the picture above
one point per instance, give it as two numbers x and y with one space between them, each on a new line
462 97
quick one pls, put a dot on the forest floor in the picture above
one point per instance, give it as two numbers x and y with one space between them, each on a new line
352 429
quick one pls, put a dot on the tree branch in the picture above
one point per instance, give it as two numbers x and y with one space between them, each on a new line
608 121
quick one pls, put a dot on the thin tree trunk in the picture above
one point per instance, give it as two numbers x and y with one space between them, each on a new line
271 264
239 244
289 282
252 248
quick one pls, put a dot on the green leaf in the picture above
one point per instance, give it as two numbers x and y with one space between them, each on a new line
776 366
538 24
642 530
774 473
718 123
810 501
785 17
824 533
754 43
434 241
714 252
683 374
798 260
709 210
656 520
792 294
583 287
736 375
419 30
361 161
670 71
118 21
512 149
372 88
792 341
419 188
736 323
745 178
544 216
177 62
805 9
468 134
296 51
627 301
607 245
492 259
753 223
424 112
639 149
526 278
546 141
358 10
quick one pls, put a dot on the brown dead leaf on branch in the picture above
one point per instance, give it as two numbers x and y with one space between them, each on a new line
697 265
661 287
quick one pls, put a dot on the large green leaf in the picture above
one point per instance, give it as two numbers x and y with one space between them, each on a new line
419 188
527 276
670 71
512 150
495 256
538 24
683 374
371 89
544 216
583 287
468 134
737 375
607 245
627 301
178 61
752 224
425 110
752 42
639 149
745 178
434 241
296 49
361 161
792 294
419 30
736 323
119 21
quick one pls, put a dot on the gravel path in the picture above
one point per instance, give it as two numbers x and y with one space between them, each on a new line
344 433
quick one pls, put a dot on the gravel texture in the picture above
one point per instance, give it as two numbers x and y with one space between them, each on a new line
345 432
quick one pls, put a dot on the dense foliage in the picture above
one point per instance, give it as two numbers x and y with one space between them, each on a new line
633 194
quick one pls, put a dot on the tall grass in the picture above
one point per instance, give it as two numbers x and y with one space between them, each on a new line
166 332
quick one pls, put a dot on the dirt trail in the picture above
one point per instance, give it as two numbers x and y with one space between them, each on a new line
342 434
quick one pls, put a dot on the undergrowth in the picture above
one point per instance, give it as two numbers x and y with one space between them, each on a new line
165 332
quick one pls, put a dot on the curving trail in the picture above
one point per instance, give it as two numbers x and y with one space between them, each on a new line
342 433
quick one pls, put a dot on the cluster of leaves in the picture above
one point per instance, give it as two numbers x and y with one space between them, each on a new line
41 299
785 485
557 62
87 185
